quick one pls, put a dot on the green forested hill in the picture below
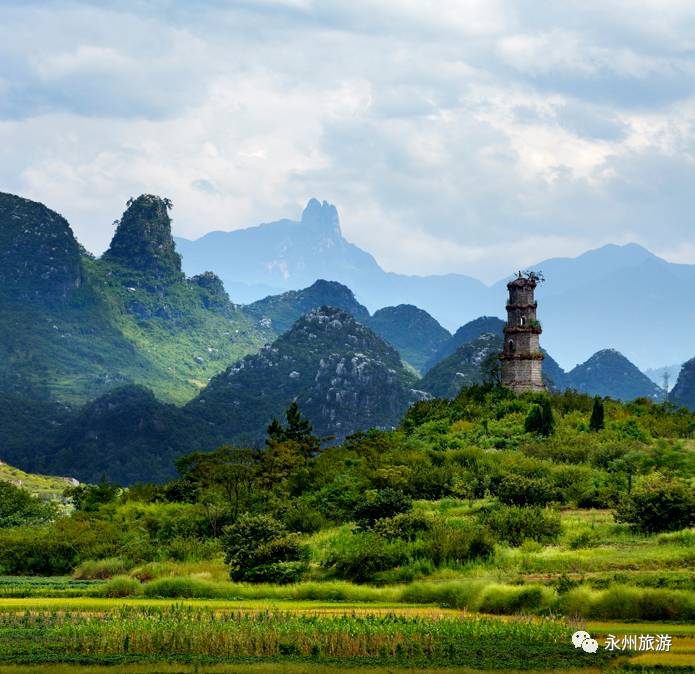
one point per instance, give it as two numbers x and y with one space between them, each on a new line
416 335
413 332
464 367
279 312
74 327
609 373
344 377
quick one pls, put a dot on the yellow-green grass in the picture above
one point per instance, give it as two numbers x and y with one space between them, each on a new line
43 486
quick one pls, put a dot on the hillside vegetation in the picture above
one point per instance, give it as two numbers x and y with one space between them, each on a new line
74 327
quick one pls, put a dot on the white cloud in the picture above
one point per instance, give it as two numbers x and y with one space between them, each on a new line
470 136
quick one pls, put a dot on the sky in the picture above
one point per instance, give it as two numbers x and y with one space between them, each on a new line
468 136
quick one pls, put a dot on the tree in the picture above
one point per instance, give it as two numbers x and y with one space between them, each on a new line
90 497
18 507
258 548
491 370
597 421
387 503
228 470
658 504
540 419
298 430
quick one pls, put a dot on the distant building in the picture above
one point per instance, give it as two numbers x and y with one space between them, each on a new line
522 358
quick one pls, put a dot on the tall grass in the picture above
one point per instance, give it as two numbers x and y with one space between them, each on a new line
100 569
181 632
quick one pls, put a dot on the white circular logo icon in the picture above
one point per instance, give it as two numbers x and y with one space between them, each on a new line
579 637
590 645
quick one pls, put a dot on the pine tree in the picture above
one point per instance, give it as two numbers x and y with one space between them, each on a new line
540 419
298 428
597 421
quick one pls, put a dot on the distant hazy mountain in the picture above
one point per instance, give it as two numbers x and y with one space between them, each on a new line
656 374
609 373
684 391
289 255
622 297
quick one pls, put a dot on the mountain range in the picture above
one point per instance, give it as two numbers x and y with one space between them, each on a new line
621 297
94 353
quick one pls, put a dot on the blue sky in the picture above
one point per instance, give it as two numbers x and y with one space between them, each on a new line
476 136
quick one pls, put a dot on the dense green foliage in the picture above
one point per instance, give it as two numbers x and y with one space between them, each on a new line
18 507
658 504
360 500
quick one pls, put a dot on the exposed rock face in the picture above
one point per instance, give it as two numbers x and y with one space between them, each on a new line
417 336
344 377
39 256
609 373
143 240
283 310
684 391
465 367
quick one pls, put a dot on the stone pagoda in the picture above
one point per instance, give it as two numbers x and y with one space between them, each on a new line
522 358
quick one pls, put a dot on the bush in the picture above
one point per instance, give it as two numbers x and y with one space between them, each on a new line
685 537
255 543
526 491
516 524
182 549
153 570
386 503
447 543
100 569
455 594
119 586
508 599
406 526
658 504
584 539
364 555
172 588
